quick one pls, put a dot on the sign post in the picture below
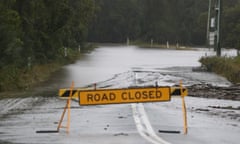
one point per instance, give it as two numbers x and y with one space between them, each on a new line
68 109
122 96
184 110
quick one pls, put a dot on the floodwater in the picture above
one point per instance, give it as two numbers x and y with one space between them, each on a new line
118 67
107 62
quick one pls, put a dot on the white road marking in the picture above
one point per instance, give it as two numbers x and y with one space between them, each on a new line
9 104
143 125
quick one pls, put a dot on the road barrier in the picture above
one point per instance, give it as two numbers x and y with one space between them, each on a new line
119 96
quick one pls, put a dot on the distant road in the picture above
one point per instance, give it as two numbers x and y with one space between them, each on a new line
210 121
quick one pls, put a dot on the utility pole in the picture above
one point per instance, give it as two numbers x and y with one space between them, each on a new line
214 28
208 22
218 12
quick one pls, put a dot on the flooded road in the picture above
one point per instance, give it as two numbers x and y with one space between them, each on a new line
105 62
121 67
108 61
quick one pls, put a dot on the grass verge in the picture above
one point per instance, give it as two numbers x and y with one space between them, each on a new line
228 67
13 78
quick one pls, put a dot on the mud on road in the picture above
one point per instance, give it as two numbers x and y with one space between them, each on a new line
20 118
208 91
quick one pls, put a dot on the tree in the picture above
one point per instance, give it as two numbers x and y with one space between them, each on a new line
116 21
10 38
231 27
161 20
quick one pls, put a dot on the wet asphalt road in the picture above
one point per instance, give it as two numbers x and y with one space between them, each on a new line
117 124
124 123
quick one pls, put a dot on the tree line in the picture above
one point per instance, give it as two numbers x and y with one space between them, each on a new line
38 30
182 21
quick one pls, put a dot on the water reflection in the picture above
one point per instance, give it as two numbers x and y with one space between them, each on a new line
104 62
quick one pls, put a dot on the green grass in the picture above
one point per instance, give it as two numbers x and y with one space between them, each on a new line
228 67
14 78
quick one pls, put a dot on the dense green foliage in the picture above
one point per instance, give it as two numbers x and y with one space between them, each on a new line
36 32
182 21
228 67
39 29
231 26
160 20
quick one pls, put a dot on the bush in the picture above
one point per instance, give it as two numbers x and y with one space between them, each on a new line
228 67
9 78
13 78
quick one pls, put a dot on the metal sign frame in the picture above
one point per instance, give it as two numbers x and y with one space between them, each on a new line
172 91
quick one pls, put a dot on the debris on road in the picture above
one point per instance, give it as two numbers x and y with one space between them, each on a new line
209 91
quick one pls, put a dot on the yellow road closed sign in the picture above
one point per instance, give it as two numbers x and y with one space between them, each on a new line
117 96
128 95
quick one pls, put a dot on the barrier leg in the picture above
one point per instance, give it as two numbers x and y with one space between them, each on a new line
68 109
69 116
184 110
61 120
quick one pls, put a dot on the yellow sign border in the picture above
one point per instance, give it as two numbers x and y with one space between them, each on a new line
123 96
